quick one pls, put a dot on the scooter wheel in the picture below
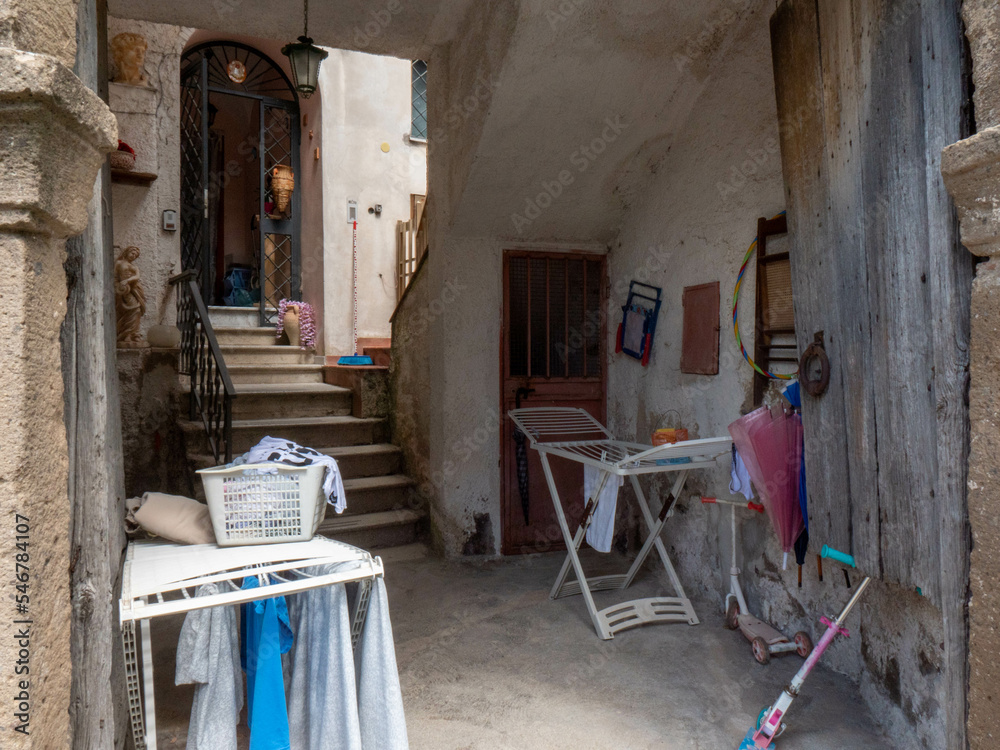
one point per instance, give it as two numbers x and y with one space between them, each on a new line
803 644
732 615
760 650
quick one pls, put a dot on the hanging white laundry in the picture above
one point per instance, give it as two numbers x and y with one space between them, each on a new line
739 480
293 454
601 532
208 655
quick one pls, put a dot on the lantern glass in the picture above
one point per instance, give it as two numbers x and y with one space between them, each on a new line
304 58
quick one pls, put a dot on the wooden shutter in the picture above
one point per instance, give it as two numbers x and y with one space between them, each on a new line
700 344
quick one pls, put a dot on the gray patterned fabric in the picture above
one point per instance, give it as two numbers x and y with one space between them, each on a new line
208 655
380 700
319 671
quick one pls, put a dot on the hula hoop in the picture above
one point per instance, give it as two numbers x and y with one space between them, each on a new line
736 319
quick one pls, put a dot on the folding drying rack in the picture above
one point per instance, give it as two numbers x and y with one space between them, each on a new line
161 578
575 434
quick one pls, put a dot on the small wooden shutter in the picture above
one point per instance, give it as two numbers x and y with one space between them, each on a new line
700 347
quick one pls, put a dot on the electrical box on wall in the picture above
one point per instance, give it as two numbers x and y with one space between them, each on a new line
169 221
352 211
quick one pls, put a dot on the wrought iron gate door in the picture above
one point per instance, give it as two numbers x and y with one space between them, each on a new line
236 69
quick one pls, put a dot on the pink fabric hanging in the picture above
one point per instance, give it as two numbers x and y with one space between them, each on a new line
772 452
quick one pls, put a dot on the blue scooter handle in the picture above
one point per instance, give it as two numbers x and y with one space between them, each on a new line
841 557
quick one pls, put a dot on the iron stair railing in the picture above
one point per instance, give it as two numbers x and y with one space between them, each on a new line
212 390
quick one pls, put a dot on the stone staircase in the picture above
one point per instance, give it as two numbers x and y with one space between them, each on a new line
281 393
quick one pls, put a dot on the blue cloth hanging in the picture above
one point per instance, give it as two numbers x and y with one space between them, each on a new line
266 634
793 393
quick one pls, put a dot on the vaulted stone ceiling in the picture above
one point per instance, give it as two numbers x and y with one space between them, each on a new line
584 97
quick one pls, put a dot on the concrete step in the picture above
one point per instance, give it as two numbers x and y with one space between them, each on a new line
355 461
376 460
223 316
237 336
392 528
257 374
289 400
404 553
376 494
368 383
266 355
364 341
381 355
286 400
308 431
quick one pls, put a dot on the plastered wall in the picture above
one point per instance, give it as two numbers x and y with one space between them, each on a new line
366 103
694 224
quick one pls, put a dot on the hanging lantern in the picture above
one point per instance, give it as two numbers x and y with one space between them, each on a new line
305 58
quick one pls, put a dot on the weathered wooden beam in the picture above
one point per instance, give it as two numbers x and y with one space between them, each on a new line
98 714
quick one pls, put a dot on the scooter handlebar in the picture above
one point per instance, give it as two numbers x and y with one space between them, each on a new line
716 501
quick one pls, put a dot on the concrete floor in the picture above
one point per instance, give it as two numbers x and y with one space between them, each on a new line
488 662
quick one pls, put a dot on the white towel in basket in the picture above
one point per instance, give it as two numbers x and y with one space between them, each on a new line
291 453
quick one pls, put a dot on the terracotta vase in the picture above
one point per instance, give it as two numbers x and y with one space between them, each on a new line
129 51
282 186
291 325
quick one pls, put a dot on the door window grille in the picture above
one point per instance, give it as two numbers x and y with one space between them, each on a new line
419 100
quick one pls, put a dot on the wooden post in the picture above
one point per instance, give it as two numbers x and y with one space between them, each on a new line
98 714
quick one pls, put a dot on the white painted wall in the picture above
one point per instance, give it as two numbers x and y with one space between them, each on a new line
366 102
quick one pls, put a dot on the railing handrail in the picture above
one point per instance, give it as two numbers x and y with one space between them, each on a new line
211 392
191 277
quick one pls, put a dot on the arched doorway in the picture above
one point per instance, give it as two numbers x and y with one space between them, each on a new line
239 120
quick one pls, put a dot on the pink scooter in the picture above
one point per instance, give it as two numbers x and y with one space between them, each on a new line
770 725
765 640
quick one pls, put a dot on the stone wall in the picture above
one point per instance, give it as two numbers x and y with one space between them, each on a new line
409 377
55 132
149 121
970 169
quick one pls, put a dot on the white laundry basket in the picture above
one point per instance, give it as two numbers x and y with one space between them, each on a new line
264 503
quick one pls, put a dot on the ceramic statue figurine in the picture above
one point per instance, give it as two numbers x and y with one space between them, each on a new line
129 51
130 300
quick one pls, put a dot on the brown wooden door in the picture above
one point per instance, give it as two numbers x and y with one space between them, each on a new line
553 344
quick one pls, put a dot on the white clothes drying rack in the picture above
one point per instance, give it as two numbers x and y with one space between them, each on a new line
162 578
574 434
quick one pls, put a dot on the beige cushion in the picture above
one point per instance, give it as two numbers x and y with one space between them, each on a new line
179 519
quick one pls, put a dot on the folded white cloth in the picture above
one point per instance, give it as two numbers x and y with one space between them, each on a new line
739 477
293 454
601 531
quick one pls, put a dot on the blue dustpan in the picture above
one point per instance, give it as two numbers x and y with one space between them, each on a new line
357 360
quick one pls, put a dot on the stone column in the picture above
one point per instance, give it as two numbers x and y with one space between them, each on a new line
54 133
971 171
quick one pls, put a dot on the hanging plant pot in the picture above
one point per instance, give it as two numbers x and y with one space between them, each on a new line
282 186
